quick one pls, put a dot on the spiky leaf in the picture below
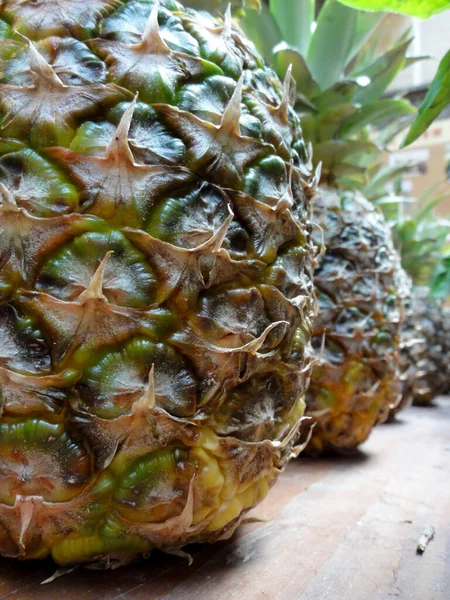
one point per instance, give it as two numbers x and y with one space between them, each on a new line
437 98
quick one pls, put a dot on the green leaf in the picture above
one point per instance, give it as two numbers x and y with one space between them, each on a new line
425 212
331 121
331 44
334 152
381 73
440 281
415 8
350 172
262 30
294 18
366 23
5 30
437 98
390 132
339 93
215 6
375 113
308 122
284 56
378 180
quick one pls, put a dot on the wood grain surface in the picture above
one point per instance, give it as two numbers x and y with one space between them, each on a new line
340 528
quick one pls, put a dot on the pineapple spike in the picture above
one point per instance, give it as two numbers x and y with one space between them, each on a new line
214 243
147 401
290 436
227 23
232 113
152 42
317 175
300 447
119 144
283 108
253 346
287 199
95 288
309 155
8 202
26 514
41 71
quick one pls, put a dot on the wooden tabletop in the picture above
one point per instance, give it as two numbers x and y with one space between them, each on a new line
340 528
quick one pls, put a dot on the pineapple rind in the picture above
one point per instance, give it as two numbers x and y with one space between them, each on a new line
360 291
156 264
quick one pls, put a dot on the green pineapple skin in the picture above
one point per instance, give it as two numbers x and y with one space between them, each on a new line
360 289
156 265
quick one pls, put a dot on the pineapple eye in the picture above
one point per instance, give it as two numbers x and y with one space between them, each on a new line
128 281
267 180
117 378
38 185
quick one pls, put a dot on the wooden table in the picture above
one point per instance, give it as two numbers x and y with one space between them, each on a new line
340 528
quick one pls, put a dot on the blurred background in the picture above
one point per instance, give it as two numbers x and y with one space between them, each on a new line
431 152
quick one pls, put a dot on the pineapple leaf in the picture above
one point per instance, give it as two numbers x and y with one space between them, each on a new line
366 23
376 113
413 8
294 18
283 57
437 98
331 121
440 281
350 174
339 93
263 30
331 44
221 5
381 73
378 180
333 152
426 211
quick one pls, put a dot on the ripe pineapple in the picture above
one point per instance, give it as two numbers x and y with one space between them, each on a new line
360 291
359 283
155 269
428 358
420 237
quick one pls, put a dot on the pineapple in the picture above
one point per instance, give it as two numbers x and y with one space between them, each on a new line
420 237
428 359
360 290
359 282
156 266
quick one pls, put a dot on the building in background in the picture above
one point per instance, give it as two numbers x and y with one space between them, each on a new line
430 154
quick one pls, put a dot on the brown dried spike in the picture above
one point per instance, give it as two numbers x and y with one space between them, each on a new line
90 323
283 108
147 401
26 240
179 268
95 288
152 42
114 187
8 203
119 146
42 72
214 149
232 112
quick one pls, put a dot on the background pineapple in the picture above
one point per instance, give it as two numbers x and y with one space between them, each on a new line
155 269
420 236
359 282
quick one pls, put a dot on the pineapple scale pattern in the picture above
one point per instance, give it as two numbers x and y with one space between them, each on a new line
156 266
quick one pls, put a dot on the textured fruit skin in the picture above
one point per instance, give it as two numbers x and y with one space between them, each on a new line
426 355
360 290
156 266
